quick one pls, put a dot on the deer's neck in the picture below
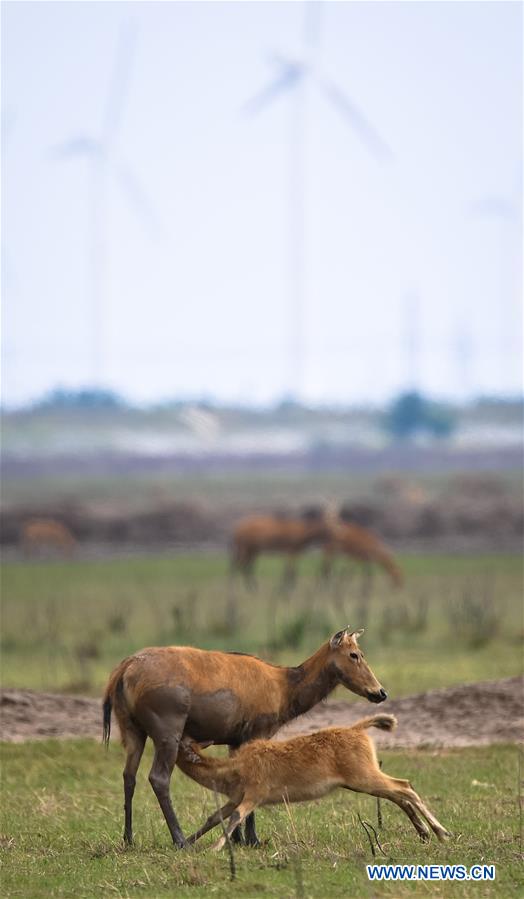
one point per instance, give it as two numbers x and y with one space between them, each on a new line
309 683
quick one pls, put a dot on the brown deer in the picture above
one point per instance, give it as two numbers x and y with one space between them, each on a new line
273 533
46 533
358 542
267 772
230 698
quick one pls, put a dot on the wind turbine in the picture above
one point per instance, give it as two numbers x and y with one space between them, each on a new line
505 213
7 272
296 76
105 162
412 341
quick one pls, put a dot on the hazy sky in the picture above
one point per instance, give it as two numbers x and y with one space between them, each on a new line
412 267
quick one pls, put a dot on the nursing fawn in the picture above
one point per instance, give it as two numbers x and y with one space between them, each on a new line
267 772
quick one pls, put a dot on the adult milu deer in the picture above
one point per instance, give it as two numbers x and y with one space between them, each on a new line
166 693
290 535
266 772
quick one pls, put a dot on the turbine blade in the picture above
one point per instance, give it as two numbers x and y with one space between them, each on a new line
77 146
358 121
139 199
493 206
119 85
8 122
287 80
313 16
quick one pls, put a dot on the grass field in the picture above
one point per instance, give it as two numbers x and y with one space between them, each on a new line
66 624
62 822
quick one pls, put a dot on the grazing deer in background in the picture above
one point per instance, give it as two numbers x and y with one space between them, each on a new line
267 772
46 533
272 533
350 539
168 692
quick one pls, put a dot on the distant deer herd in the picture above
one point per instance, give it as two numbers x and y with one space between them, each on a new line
257 535
291 536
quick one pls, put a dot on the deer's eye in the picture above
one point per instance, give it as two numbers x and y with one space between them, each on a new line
354 655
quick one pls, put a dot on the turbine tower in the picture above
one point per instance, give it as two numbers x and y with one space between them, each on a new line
105 162
297 76
411 339
505 214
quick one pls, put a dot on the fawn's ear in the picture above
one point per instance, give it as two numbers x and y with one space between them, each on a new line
186 749
357 634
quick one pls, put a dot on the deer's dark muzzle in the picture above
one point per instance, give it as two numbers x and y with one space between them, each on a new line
378 696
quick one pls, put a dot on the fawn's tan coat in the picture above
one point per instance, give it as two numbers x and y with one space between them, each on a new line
267 772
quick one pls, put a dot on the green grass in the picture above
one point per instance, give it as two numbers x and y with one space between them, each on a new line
66 624
61 823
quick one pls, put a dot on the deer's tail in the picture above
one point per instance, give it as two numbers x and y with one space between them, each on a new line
114 686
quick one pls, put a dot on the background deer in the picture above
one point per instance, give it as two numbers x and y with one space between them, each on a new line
353 540
46 533
267 772
168 692
272 533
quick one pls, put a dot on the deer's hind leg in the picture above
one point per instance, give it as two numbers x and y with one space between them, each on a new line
166 751
367 579
134 739
163 714
289 574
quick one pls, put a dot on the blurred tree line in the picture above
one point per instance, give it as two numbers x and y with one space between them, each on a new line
411 415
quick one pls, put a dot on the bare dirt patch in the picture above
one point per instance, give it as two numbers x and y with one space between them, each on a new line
467 715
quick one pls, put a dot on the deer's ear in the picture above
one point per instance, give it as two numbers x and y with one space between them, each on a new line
357 634
337 639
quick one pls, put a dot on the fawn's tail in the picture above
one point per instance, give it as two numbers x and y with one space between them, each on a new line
383 722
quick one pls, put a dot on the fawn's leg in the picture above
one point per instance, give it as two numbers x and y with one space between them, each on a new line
236 819
414 799
220 815
401 793
381 791
418 823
